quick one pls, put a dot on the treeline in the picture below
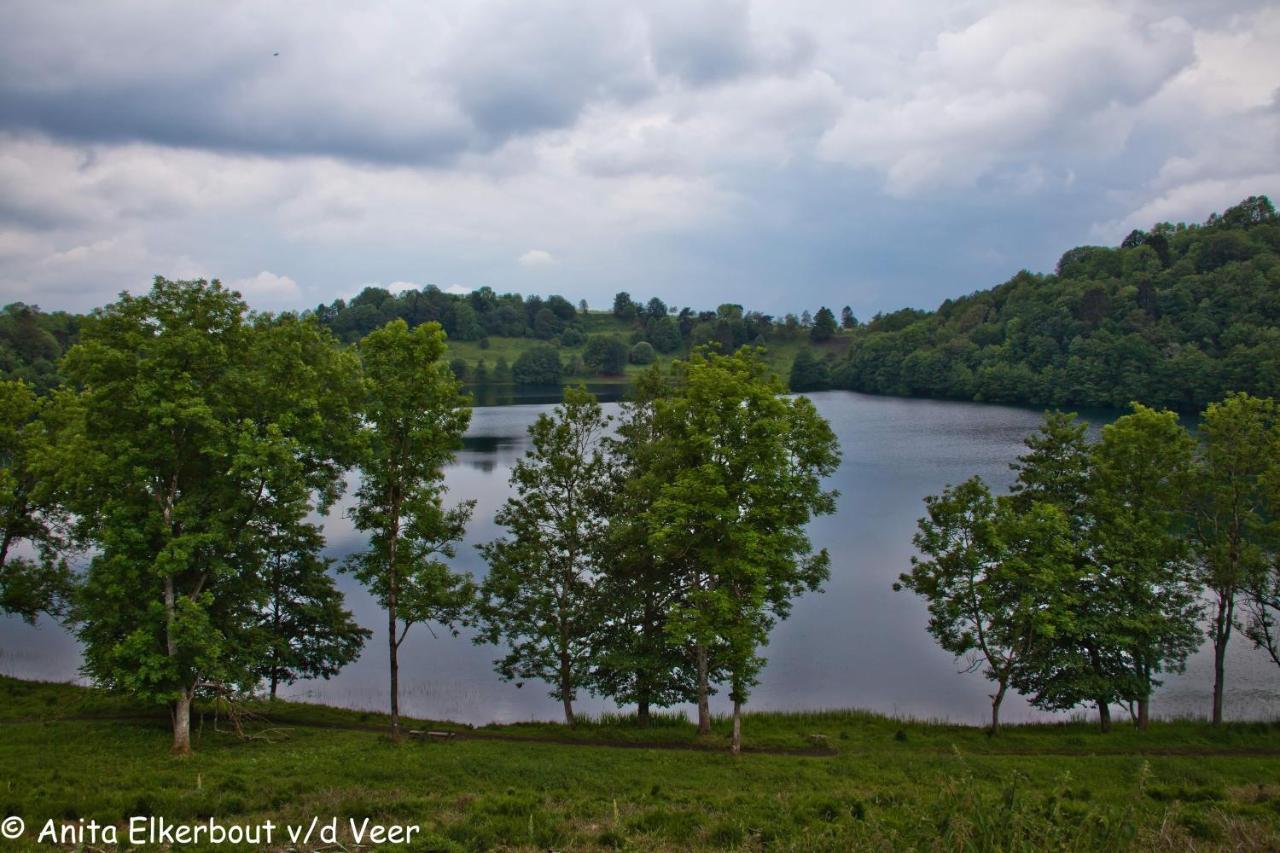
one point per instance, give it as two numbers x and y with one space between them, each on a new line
31 342
193 440
1174 317
1090 580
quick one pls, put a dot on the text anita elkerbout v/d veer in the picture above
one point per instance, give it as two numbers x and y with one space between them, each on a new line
158 830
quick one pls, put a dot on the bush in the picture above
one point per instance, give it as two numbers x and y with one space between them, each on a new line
605 354
572 337
538 365
642 353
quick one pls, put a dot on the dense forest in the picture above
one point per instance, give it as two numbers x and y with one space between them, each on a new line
1176 316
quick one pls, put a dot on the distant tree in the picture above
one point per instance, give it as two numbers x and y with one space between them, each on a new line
415 415
605 354
582 306
546 324
824 326
571 337
538 365
993 578
29 514
809 373
847 320
1229 519
623 307
538 596
480 375
459 368
502 372
664 334
806 319
307 633
655 308
642 353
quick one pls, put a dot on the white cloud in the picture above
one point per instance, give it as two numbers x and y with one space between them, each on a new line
401 286
268 291
458 289
536 258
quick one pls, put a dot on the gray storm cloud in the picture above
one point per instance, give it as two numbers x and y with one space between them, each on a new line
781 155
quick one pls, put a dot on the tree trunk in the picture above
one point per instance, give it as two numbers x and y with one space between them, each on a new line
1104 716
393 591
995 707
1144 713
395 667
642 711
704 701
735 745
275 679
180 710
568 712
1221 635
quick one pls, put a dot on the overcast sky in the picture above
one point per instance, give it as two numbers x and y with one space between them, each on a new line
782 155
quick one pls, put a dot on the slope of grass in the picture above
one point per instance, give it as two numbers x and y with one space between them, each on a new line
69 754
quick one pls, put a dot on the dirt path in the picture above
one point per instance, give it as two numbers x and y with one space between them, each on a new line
682 746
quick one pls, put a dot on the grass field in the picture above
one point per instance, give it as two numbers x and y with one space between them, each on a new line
779 355
821 781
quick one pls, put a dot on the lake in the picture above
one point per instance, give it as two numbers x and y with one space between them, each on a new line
858 644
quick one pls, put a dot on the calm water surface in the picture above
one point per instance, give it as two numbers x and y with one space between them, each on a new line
858 644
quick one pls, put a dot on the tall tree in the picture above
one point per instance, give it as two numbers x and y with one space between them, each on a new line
1085 660
997 580
743 468
637 660
194 422
306 631
415 415
824 325
1141 470
1229 519
29 515
539 595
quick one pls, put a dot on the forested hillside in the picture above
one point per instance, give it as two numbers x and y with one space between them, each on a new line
1177 316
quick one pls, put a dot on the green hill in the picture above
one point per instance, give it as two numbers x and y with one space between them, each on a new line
1175 317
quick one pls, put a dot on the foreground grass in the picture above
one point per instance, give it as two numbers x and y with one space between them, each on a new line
67 753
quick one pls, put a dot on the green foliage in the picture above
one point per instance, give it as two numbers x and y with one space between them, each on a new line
195 426
31 342
469 317
305 632
29 514
824 326
414 414
1175 318
998 581
642 353
538 365
1233 542
740 477
539 595
808 373
605 354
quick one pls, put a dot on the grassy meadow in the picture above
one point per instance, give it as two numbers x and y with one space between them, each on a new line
778 355
822 781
